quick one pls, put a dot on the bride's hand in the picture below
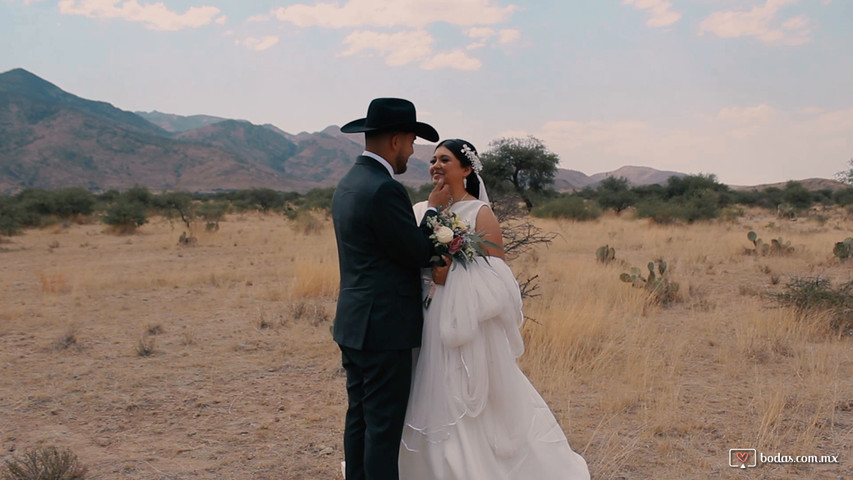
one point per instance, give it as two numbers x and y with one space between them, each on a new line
439 274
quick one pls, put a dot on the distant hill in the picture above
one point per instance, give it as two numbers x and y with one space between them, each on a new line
176 123
637 175
50 138
813 184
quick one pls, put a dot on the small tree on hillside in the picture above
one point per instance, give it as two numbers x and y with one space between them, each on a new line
522 163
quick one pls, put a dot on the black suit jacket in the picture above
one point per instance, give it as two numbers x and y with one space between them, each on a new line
381 250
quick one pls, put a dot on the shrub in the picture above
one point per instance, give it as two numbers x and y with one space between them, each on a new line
319 198
139 195
844 249
212 213
10 217
658 210
807 295
69 202
45 463
126 215
843 197
572 207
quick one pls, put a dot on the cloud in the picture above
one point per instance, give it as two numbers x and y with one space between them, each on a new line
480 32
508 35
757 113
412 43
661 15
155 16
484 34
456 59
399 48
399 13
759 23
258 44
403 48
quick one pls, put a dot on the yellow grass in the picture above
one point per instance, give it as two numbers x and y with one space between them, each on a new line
245 382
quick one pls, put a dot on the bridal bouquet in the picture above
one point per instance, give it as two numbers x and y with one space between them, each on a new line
452 238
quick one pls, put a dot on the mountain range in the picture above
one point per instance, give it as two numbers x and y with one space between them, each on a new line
50 138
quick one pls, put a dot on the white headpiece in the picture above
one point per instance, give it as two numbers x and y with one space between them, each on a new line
473 158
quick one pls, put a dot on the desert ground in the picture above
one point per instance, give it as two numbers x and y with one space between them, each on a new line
151 359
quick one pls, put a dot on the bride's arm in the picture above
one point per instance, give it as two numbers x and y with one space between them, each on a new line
490 229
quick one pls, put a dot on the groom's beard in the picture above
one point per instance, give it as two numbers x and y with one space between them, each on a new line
402 165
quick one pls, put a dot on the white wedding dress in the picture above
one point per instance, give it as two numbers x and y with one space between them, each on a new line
472 413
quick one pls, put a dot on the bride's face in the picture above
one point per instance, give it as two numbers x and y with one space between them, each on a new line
445 164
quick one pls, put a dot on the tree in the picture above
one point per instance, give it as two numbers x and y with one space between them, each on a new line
523 163
615 193
846 176
180 203
126 214
72 201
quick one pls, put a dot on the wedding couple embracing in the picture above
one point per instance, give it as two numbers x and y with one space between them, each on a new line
434 391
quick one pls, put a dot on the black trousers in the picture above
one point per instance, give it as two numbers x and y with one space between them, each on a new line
378 384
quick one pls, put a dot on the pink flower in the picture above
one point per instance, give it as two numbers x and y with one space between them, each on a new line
456 244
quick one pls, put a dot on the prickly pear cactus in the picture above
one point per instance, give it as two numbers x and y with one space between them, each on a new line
605 254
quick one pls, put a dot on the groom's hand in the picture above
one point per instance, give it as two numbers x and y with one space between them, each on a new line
440 194
439 274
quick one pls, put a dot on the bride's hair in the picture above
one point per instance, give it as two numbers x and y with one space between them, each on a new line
465 152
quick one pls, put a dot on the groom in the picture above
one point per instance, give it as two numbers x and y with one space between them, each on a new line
379 318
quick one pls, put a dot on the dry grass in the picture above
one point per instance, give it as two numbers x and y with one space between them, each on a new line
244 380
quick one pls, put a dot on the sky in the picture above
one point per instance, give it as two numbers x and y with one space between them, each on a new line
752 91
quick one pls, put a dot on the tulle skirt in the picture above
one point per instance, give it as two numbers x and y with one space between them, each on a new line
472 412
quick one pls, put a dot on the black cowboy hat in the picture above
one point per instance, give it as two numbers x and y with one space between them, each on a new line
391 114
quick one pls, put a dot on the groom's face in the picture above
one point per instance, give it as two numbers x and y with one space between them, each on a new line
405 146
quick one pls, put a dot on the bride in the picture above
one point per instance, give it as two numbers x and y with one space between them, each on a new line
472 413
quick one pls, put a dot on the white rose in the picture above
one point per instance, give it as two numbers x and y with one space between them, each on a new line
444 234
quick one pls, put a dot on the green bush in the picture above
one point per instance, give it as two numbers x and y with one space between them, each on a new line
141 195
615 193
73 201
126 215
808 295
570 206
658 210
843 249
212 212
318 198
843 197
11 220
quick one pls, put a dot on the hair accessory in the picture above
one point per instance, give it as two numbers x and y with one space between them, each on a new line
472 157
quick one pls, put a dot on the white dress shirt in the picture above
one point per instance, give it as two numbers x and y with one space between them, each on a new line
381 160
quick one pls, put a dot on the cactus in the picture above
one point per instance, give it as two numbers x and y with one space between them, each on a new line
780 247
661 289
777 246
605 254
753 237
844 249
